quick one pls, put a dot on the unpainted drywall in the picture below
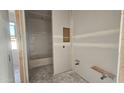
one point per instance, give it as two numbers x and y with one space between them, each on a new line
95 43
62 56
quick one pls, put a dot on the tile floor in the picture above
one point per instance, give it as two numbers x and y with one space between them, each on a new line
44 74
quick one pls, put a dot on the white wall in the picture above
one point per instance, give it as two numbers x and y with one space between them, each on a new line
6 69
95 42
61 56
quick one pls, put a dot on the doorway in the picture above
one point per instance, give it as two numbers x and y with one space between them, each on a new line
39 45
14 48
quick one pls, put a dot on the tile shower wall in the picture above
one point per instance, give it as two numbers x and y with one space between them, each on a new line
121 65
39 29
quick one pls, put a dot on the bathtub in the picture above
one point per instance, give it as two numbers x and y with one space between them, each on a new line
40 62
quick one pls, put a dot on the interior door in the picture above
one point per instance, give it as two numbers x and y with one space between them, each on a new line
6 65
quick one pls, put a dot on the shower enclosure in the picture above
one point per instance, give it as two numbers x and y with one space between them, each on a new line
39 38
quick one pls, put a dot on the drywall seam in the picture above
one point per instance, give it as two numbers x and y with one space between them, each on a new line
53 40
57 36
61 44
99 45
71 39
98 33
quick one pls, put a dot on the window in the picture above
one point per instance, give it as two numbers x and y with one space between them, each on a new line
13 35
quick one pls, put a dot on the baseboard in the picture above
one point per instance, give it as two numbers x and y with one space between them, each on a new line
82 77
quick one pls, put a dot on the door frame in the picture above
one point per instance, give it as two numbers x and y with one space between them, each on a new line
120 56
22 45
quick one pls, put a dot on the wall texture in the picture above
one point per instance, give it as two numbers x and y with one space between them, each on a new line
95 42
62 56
39 34
6 66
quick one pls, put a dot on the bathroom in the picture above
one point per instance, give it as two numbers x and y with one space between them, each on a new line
60 41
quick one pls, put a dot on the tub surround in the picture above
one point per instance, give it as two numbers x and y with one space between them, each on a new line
40 62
